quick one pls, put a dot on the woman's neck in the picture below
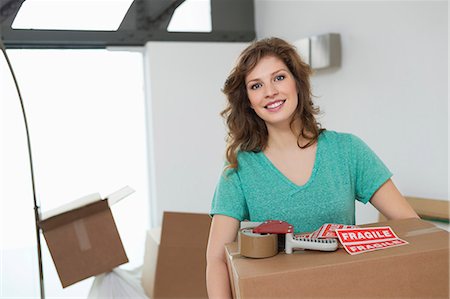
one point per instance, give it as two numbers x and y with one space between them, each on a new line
284 138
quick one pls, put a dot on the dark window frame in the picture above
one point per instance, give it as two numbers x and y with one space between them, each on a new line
146 20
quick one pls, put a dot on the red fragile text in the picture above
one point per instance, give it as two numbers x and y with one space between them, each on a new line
374 246
367 234
359 240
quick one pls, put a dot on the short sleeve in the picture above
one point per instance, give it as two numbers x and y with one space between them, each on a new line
228 197
369 171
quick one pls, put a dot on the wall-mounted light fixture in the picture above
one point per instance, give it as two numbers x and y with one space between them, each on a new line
321 51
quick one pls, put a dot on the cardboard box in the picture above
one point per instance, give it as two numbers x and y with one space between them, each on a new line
82 237
428 209
417 270
175 265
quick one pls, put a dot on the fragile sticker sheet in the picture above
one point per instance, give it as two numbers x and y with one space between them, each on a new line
360 240
328 230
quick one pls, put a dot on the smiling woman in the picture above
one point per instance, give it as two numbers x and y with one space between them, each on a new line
86 113
281 165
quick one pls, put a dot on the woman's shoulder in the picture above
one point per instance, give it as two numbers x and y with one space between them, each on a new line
339 137
347 142
246 161
247 157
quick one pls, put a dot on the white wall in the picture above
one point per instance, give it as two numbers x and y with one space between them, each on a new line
184 82
391 91
392 87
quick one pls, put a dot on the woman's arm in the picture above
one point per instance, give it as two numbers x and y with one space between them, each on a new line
223 230
391 203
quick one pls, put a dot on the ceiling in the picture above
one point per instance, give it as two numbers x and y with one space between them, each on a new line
146 20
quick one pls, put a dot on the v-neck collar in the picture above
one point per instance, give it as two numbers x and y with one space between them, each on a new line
285 178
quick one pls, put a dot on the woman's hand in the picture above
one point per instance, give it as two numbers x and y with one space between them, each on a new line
223 230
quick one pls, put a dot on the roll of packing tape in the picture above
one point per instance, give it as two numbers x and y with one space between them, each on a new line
257 245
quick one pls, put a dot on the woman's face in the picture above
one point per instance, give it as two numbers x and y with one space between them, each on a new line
272 91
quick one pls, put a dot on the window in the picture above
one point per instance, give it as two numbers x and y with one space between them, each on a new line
65 14
192 16
86 113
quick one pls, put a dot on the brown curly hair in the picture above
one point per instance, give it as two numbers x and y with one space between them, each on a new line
246 130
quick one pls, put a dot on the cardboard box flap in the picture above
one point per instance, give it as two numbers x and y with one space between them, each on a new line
155 235
81 207
72 215
119 195
73 205
150 259
87 200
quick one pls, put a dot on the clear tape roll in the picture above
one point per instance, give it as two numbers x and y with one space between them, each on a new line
257 245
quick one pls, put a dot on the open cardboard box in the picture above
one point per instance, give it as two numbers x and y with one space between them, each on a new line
82 237
175 257
417 270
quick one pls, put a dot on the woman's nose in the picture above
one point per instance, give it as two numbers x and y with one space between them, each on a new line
271 90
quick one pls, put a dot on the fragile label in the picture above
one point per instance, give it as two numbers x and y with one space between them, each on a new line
360 240
328 230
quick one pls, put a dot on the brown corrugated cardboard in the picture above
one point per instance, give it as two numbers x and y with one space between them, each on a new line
429 209
175 267
417 270
84 241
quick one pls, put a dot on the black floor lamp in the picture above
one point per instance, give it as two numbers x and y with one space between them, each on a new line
36 206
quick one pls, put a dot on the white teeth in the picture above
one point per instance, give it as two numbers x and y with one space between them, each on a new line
275 105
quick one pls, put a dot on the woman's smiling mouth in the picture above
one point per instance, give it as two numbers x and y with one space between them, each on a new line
274 105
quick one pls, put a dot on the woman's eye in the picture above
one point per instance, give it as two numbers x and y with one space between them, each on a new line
279 77
256 86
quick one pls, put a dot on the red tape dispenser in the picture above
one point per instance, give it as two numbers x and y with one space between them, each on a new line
262 240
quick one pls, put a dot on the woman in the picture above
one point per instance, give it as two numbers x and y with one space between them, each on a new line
281 164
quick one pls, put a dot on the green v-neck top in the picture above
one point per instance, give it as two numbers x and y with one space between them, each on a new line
345 169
